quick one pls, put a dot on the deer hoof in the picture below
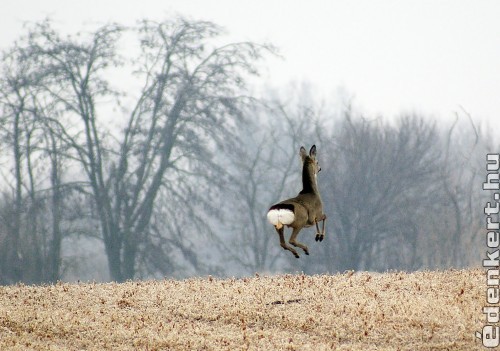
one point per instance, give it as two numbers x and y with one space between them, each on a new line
320 237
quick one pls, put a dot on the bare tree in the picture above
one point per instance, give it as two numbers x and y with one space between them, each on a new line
27 143
188 107
453 228
12 135
381 179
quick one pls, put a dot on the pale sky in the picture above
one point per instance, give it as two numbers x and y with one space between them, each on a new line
428 56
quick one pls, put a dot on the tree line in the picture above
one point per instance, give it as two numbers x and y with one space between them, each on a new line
174 173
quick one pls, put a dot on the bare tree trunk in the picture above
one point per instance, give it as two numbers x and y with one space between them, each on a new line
34 261
129 257
55 245
113 248
14 254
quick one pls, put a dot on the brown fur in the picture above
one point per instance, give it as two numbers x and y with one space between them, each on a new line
307 205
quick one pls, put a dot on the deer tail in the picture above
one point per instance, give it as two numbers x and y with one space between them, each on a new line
280 215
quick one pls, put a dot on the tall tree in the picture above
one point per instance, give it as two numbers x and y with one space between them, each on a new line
188 107
380 182
28 143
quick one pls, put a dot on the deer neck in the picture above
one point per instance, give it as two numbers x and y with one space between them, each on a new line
309 184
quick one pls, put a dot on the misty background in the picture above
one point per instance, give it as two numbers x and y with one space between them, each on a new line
154 147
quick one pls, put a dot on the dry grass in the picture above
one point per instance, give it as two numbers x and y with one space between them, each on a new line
365 311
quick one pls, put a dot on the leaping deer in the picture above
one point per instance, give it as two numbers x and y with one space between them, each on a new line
304 210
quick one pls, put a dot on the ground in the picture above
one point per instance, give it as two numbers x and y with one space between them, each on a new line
362 311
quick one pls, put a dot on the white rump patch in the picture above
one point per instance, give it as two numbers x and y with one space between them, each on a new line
280 216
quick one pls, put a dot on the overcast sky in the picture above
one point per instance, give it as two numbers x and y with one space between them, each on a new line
429 56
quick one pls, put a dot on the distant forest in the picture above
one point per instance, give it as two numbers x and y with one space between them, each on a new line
141 152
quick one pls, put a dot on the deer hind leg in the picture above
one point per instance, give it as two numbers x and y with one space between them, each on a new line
295 243
321 235
283 243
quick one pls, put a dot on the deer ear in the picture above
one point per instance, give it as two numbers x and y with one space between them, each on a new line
303 153
312 152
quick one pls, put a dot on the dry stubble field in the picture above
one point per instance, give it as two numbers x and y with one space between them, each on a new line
362 311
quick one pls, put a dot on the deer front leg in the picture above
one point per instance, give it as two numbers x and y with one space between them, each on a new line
320 235
283 243
295 243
